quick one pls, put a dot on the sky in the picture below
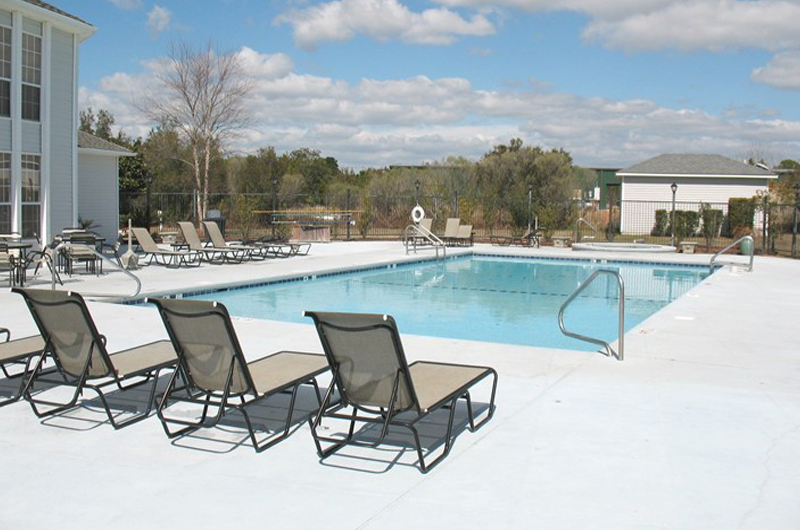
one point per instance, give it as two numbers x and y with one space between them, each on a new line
381 82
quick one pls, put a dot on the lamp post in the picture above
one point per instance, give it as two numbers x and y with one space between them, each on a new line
796 208
416 193
674 188
148 179
530 200
274 202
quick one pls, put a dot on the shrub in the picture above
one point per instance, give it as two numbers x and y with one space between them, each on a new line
662 221
685 223
712 222
740 216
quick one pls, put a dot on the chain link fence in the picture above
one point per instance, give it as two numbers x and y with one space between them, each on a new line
350 215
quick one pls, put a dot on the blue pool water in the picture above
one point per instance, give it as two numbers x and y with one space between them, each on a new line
505 300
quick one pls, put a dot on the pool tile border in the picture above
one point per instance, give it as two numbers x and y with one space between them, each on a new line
310 277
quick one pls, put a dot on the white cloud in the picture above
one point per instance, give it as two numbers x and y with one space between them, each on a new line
381 20
783 71
127 4
682 24
704 24
158 19
382 122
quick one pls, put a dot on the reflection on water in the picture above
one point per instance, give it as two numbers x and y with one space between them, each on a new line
513 301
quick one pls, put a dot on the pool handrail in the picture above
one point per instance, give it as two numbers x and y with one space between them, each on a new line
578 236
94 251
752 253
620 355
412 231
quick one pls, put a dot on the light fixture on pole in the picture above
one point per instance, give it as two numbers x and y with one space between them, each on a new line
674 188
416 193
530 200
274 202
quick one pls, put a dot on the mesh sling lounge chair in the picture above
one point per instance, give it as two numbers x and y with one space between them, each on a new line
79 352
216 373
372 377
279 248
19 351
218 241
451 230
210 254
168 258
464 236
528 239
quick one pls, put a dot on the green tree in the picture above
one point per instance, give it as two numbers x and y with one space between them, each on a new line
317 172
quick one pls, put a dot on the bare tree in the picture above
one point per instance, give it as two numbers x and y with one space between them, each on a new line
203 96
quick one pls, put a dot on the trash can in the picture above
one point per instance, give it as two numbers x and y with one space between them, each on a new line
216 216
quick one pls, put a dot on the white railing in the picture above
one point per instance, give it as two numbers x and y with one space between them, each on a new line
94 251
620 355
413 232
743 238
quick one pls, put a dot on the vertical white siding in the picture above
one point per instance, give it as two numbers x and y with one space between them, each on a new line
97 193
62 100
637 217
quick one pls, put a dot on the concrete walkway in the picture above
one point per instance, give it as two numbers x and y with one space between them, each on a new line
696 429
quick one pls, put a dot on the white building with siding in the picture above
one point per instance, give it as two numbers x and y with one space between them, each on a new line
98 183
699 178
40 163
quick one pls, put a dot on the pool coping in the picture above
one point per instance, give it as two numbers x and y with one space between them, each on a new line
339 271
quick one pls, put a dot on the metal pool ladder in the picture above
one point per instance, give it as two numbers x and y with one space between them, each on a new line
752 253
411 233
621 332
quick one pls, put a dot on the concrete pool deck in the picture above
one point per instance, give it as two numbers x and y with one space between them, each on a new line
699 427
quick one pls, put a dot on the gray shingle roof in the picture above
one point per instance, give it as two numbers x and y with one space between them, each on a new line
694 165
89 141
45 5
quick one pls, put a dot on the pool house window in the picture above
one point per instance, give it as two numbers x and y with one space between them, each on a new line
31 76
5 193
31 195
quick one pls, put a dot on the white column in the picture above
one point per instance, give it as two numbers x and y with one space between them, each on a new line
47 44
16 123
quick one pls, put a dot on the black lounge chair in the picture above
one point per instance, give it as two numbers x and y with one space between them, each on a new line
16 352
216 372
528 239
210 254
280 248
168 258
372 377
80 355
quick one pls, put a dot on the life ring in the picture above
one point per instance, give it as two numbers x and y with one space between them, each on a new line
417 214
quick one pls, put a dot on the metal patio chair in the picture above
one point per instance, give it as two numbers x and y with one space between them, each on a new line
372 378
18 352
80 355
216 374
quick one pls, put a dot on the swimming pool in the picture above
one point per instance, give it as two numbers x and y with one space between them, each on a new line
485 298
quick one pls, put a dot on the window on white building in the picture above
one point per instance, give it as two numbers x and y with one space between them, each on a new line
31 76
31 195
5 71
5 193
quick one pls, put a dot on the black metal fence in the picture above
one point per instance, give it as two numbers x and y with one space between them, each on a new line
351 215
